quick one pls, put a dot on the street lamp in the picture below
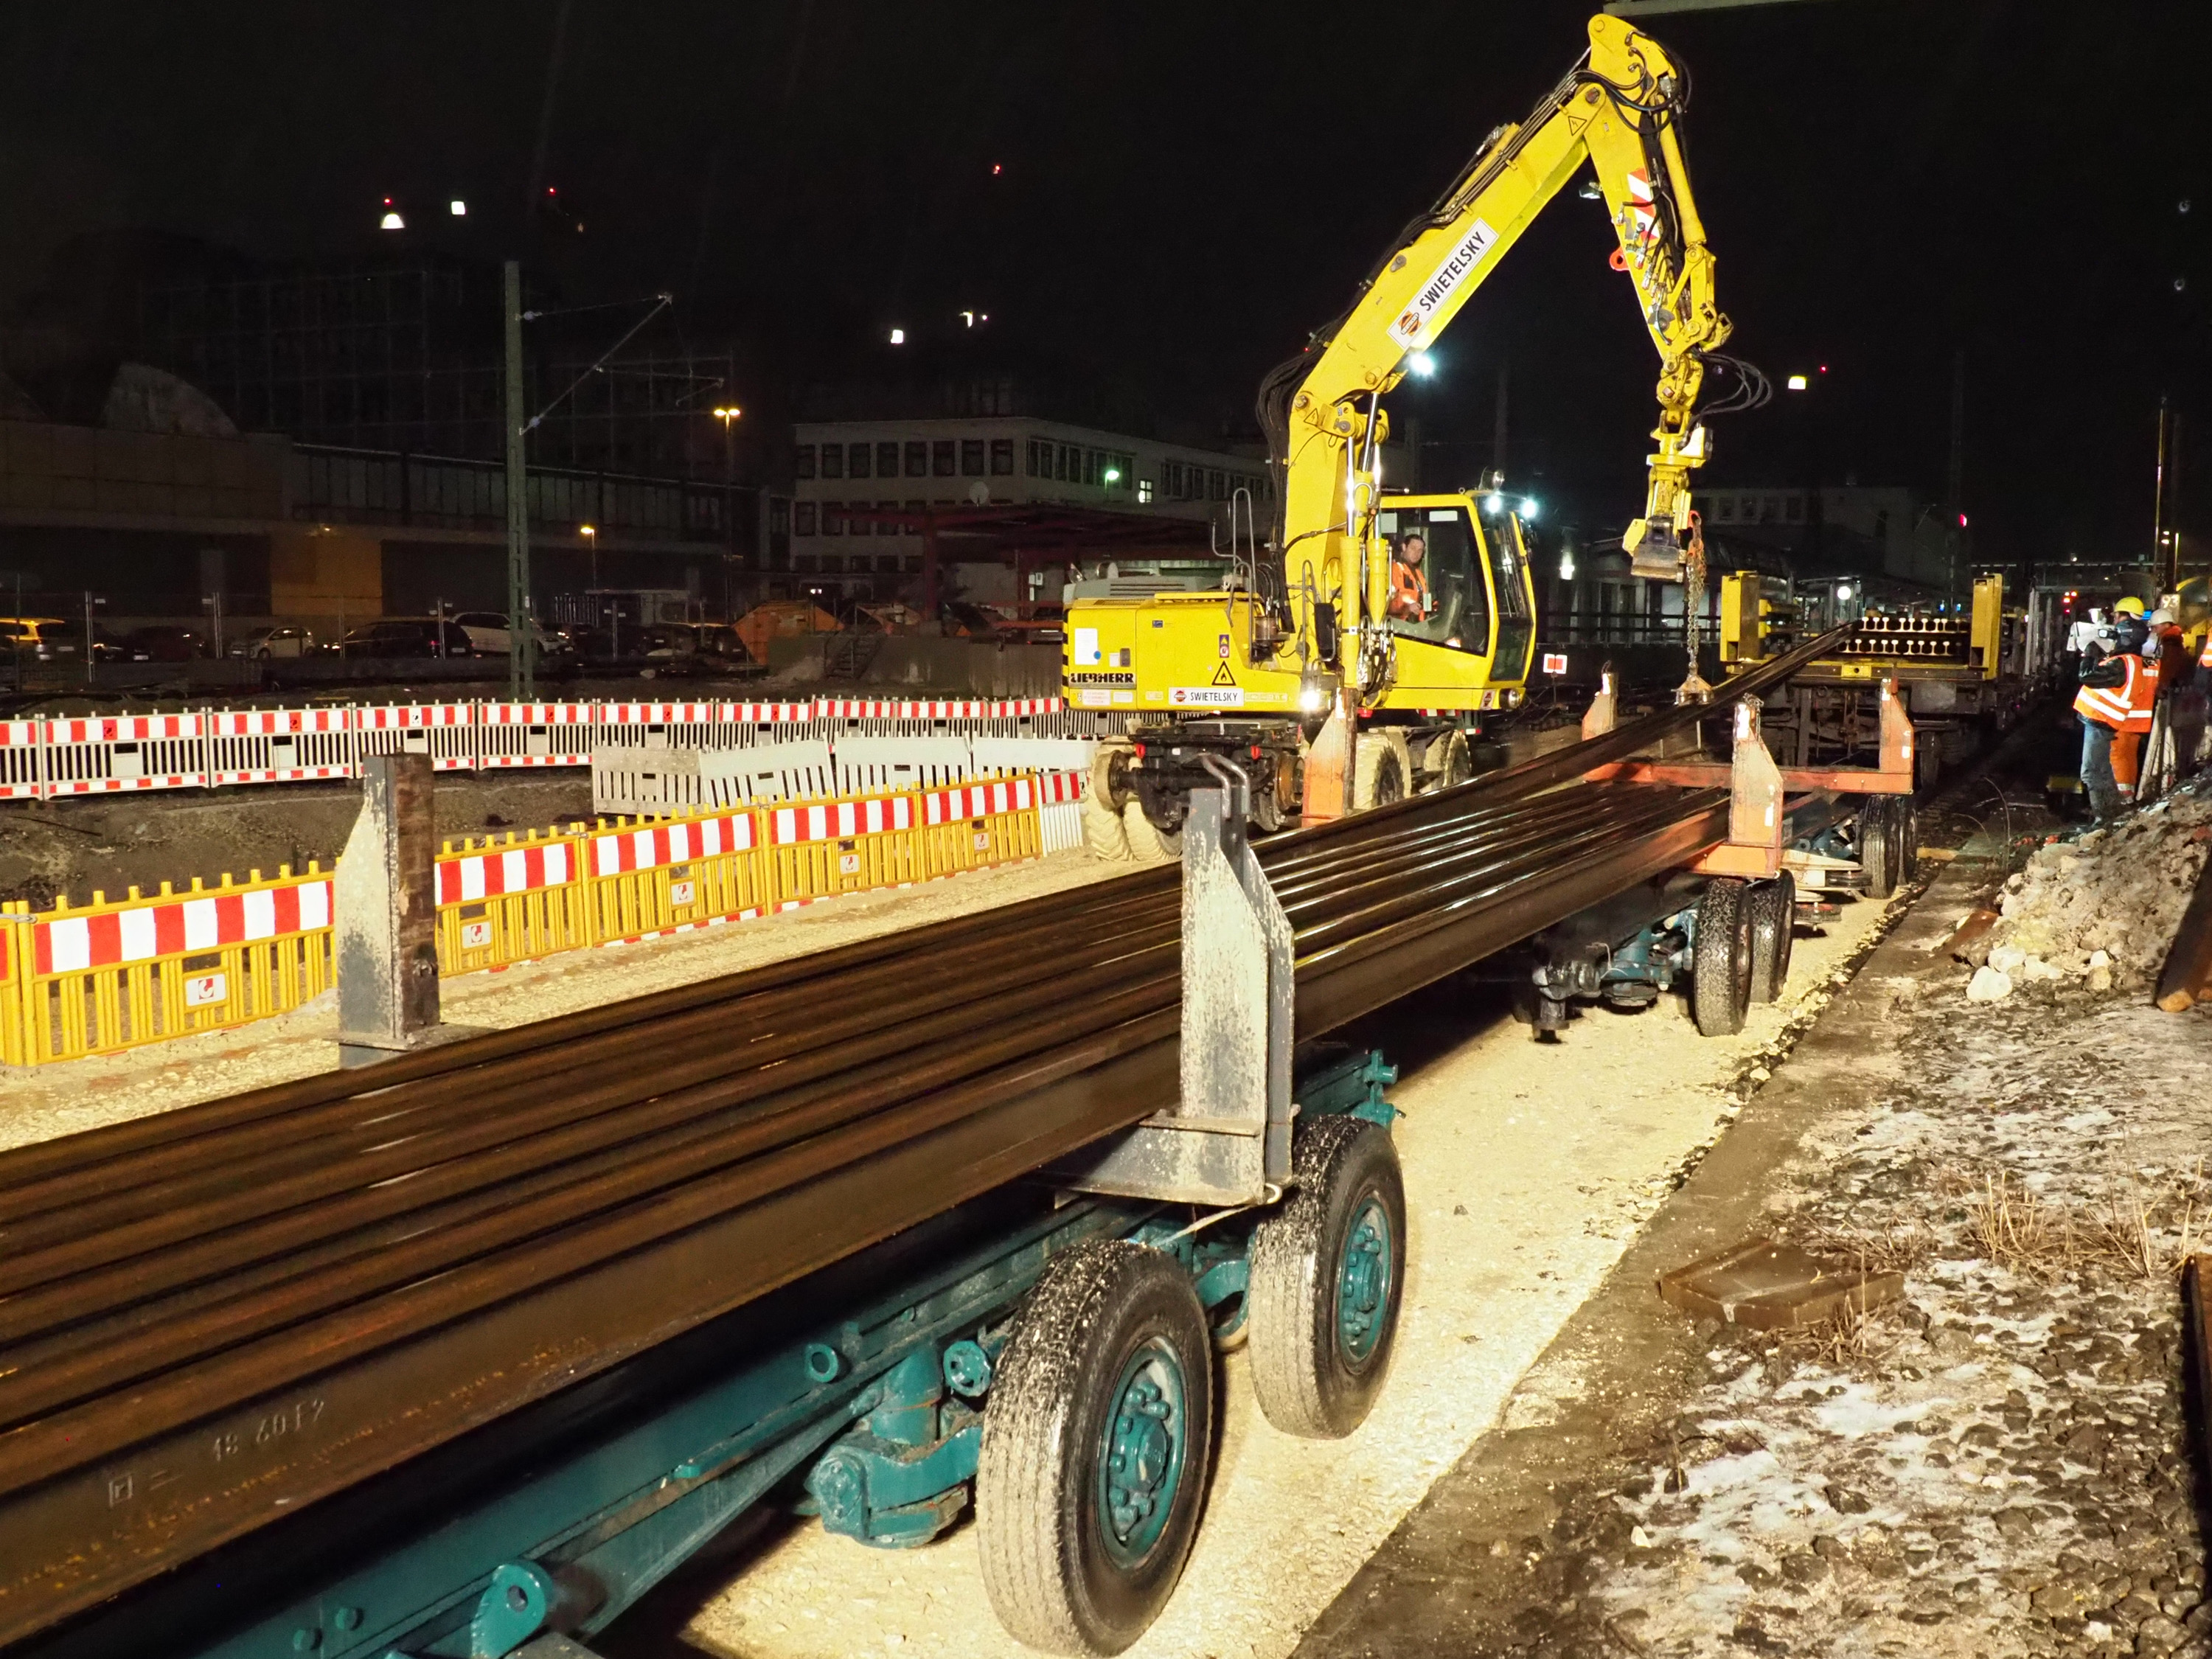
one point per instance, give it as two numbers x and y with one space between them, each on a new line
591 535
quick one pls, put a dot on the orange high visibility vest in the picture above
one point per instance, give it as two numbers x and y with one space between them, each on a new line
2124 707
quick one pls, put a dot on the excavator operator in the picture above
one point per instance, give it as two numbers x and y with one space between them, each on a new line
1409 583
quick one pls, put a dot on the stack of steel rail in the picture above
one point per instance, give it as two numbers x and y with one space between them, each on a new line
217 1315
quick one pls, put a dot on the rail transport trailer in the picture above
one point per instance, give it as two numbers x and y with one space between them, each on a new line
1038 1344
1054 1357
1965 674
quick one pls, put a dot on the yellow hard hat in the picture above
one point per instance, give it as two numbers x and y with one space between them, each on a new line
2131 606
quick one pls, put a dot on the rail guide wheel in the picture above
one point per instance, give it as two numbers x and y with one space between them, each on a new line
1721 965
1773 921
1093 1467
1328 1267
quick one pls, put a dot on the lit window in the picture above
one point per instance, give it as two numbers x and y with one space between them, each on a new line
803 466
1002 458
1143 492
971 457
941 457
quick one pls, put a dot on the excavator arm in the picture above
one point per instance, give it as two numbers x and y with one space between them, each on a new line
1619 109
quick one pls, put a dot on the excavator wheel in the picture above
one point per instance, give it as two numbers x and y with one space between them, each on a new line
1448 761
1149 844
1103 835
1381 768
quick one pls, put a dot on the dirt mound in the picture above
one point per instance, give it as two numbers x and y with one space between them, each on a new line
2104 907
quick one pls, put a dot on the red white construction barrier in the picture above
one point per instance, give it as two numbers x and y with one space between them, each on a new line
650 848
43 759
202 921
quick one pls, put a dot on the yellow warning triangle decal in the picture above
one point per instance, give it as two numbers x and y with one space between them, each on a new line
1223 677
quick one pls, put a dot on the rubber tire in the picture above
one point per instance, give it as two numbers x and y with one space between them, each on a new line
1103 836
1877 844
1720 965
1102 775
1306 1383
1149 845
1048 1577
1448 761
1773 924
1904 836
1380 769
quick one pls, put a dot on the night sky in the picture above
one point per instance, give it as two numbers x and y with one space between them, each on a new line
1182 191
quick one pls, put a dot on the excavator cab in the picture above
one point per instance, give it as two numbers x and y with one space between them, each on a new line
1462 610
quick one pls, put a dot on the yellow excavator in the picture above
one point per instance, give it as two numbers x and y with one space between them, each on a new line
1347 660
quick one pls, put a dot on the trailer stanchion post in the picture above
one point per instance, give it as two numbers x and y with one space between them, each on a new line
1896 731
1227 1141
1598 718
1758 827
385 916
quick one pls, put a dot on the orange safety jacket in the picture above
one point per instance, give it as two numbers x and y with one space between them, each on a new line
1409 591
2126 707
2204 657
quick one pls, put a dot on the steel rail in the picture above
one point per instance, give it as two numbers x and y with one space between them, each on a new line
41 1377
248 1306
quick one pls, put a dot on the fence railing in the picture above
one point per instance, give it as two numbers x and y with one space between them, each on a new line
118 975
111 754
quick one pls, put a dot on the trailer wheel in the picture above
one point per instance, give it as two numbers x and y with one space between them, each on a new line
1720 965
1773 921
1877 843
1093 1465
1328 1268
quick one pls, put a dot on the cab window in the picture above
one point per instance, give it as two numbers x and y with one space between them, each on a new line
1516 622
1435 577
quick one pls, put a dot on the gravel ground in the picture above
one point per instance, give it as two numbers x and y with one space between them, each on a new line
1528 1169
1997 1464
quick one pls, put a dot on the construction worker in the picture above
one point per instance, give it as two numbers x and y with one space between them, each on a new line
2115 701
1409 583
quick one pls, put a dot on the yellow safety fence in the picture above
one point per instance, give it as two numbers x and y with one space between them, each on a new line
120 975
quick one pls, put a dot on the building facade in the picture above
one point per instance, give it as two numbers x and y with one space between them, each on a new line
1866 530
842 467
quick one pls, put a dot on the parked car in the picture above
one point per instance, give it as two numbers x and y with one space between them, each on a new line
492 634
116 648
264 643
406 636
167 642
39 639
671 648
